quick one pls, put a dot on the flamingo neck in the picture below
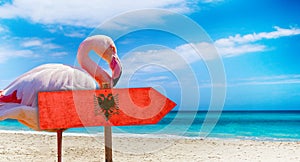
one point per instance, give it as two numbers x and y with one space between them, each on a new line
90 66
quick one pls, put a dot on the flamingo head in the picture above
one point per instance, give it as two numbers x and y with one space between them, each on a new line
106 49
110 55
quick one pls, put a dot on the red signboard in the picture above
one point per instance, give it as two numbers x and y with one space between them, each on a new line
105 107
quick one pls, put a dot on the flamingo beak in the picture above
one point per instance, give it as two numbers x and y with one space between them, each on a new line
115 66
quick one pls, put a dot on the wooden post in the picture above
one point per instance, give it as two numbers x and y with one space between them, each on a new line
59 144
108 143
107 135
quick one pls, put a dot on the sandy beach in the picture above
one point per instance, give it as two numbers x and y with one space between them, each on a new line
15 146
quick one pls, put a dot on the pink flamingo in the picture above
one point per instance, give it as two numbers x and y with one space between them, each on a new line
19 100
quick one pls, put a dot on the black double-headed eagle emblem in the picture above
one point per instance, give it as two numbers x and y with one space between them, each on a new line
106 105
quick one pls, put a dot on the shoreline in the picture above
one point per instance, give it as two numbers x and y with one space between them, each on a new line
37 146
169 136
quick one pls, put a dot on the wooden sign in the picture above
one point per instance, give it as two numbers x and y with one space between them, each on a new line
105 107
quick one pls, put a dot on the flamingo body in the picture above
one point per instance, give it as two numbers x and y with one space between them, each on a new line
21 95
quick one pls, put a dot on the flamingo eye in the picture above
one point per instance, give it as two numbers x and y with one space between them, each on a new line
112 48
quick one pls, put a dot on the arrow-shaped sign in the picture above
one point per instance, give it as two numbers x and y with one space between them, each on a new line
106 107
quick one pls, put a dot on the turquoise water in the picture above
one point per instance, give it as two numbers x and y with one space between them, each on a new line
264 125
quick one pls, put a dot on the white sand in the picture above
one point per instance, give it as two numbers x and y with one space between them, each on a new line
42 147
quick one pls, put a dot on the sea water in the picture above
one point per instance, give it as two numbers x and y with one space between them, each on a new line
257 125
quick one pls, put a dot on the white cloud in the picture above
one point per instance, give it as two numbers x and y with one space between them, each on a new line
6 54
235 50
155 59
81 13
237 45
158 59
144 62
75 35
253 81
32 43
133 20
280 32
2 29
267 80
211 1
138 66
68 31
59 54
37 43
17 47
189 53
158 78
227 47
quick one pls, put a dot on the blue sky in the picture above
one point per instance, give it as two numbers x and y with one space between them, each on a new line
258 42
